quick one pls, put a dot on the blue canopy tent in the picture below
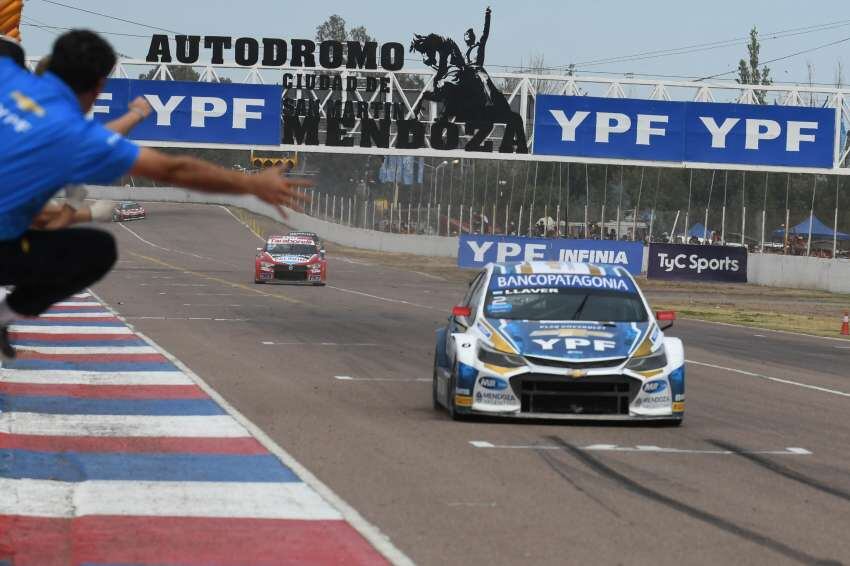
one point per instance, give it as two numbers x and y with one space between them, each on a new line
818 229
698 230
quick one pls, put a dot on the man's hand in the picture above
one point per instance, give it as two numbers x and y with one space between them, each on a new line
141 106
101 210
271 187
191 173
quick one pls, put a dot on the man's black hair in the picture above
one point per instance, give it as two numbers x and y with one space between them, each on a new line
81 58
13 49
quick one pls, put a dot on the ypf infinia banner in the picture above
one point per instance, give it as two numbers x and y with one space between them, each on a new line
697 263
197 112
693 132
478 251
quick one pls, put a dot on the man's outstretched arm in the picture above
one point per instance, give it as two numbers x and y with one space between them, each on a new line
199 175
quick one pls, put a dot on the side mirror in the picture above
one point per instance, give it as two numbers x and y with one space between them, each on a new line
259 249
460 310
322 254
665 319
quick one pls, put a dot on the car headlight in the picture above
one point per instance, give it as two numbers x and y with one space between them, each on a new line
316 267
500 359
265 265
653 361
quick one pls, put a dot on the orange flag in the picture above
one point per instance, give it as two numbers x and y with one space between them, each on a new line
10 18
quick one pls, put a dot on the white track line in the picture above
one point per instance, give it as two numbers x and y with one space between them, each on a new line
643 449
163 248
760 329
369 531
36 329
272 500
85 314
391 379
41 424
769 378
88 350
70 377
385 299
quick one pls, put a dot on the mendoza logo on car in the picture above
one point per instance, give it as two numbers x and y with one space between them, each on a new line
654 386
492 383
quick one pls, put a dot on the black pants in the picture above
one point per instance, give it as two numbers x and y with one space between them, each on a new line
47 267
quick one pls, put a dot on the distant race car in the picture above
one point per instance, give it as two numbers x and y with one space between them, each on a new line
127 211
290 259
558 341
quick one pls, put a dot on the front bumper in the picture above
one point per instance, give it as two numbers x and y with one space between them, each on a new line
611 394
287 274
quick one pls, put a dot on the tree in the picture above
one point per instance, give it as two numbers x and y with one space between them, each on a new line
332 29
749 72
180 73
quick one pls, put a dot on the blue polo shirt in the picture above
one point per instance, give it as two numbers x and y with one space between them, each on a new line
46 143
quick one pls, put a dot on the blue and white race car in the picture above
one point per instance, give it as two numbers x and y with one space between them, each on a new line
558 341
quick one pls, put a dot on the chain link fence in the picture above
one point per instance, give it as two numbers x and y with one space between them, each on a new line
800 214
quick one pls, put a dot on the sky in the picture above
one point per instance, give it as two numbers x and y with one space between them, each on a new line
562 32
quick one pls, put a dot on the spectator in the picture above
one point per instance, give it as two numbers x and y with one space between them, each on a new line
46 142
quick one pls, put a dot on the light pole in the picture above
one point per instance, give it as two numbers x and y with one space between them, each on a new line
452 178
436 171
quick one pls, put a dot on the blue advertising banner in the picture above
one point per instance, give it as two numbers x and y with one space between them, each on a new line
697 263
478 251
197 112
695 132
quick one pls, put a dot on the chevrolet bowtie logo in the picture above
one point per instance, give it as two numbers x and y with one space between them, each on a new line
576 373
27 104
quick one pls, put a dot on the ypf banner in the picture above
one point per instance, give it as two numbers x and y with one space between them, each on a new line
692 132
197 112
478 251
701 263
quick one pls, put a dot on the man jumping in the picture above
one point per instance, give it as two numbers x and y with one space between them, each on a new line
46 143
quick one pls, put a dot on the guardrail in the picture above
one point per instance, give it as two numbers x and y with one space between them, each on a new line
439 246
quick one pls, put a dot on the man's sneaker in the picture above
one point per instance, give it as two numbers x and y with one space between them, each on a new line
6 347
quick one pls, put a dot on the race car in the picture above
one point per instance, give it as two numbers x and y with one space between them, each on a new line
127 211
558 341
290 259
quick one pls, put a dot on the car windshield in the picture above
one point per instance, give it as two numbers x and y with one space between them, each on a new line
565 304
291 249
129 205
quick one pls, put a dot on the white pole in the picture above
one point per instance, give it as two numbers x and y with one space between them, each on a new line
373 214
460 220
438 219
408 217
835 220
428 218
519 222
530 220
688 210
493 221
743 208
449 219
675 222
507 219
764 212
723 211
811 216
586 200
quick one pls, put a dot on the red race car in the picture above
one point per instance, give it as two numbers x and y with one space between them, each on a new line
128 211
290 259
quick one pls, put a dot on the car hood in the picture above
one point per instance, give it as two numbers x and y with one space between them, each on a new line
584 341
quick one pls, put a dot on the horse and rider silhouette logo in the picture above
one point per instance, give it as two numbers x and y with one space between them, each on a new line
464 87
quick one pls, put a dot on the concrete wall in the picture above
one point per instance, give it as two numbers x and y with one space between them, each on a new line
762 269
799 272
355 237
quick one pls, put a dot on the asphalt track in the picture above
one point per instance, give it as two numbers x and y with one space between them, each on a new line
758 474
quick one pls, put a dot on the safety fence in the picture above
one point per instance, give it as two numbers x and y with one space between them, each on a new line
563 200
